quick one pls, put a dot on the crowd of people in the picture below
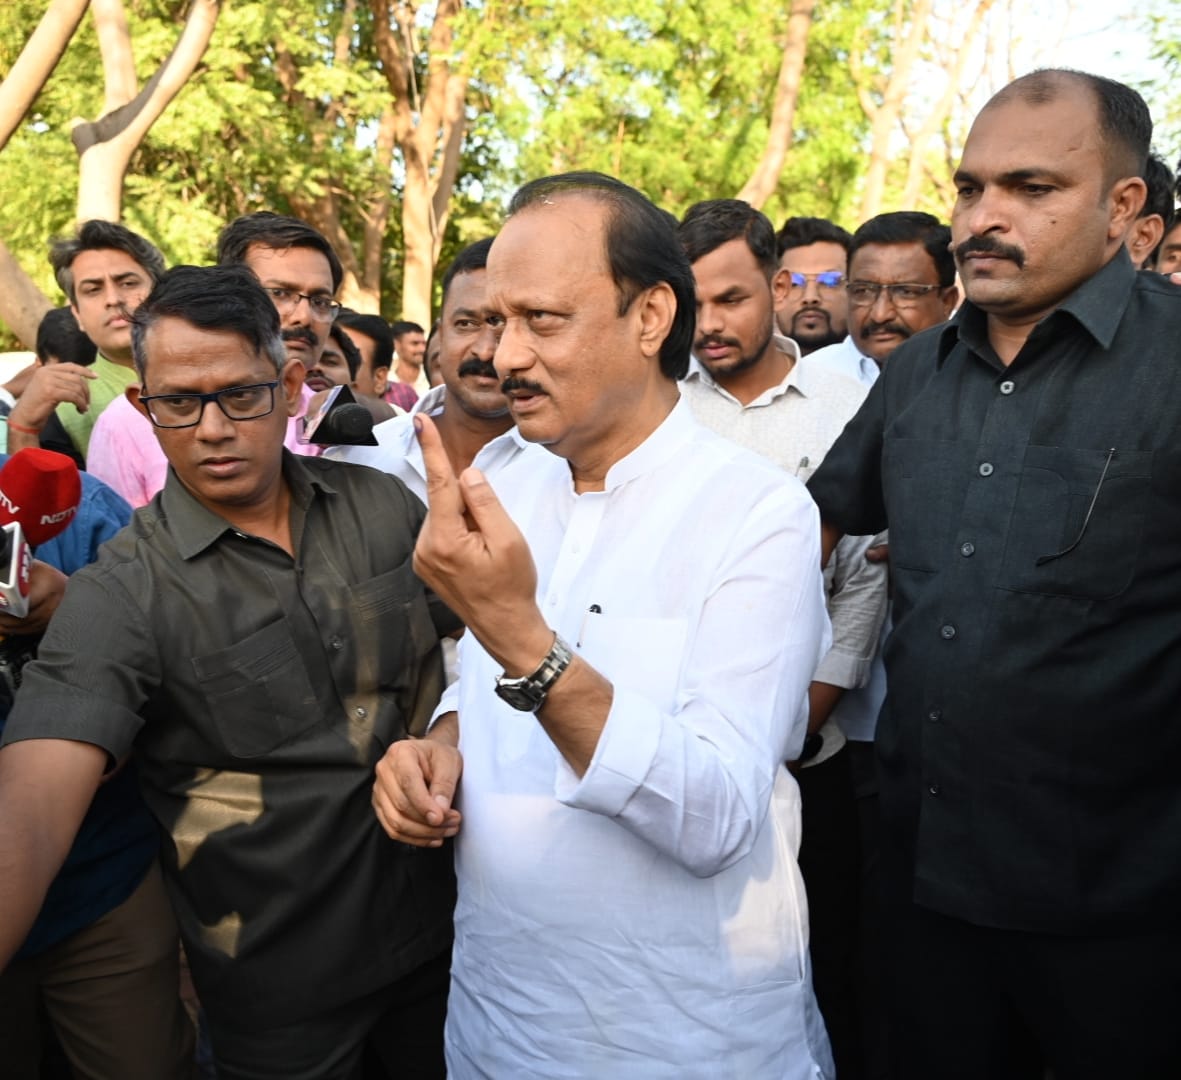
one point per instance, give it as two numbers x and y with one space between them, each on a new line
736 653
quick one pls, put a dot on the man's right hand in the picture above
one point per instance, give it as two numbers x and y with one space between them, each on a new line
48 387
415 786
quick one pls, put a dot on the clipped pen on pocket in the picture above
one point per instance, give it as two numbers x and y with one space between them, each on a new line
594 609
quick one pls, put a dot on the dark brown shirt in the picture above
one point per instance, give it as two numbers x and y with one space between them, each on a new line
257 692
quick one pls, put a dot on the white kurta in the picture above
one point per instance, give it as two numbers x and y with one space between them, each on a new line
648 919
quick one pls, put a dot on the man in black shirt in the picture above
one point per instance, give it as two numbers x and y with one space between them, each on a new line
257 638
1025 458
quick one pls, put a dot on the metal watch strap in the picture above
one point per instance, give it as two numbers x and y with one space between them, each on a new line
528 693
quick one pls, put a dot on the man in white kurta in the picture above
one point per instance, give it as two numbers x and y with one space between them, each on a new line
630 904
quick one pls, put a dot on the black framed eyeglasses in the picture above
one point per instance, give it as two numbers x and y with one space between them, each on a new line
825 279
251 402
902 294
323 308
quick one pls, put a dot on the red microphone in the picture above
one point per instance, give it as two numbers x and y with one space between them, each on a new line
39 495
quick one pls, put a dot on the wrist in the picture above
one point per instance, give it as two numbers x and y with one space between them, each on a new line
15 425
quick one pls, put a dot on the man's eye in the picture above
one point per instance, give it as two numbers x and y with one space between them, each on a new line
281 295
909 292
177 404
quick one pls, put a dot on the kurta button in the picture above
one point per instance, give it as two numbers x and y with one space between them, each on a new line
935 715
947 631
1007 387
934 789
985 468
967 549
336 643
361 712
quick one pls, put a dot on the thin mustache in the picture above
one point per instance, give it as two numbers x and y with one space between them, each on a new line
298 333
514 382
706 342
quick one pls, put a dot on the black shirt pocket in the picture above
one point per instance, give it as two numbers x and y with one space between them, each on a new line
1077 523
258 692
923 499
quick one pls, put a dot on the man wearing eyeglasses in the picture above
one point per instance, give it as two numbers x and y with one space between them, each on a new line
257 656
814 252
901 280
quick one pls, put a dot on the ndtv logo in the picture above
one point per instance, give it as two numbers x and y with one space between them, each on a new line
7 504
53 519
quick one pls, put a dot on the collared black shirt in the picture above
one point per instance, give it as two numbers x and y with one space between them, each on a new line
258 692
1030 744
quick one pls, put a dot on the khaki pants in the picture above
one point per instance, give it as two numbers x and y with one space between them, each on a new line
112 992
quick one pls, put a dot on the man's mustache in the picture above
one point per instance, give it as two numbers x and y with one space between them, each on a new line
712 341
475 366
884 327
988 245
300 333
515 382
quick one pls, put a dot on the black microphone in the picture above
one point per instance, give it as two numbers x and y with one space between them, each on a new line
339 421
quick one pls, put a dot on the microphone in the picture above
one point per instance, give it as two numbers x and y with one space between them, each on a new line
39 495
339 421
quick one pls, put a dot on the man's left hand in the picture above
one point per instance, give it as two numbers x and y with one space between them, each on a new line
473 555
47 585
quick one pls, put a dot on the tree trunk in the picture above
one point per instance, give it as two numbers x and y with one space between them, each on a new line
765 178
36 62
105 146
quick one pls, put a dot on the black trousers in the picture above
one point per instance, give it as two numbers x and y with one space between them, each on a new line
830 864
396 1033
977 1003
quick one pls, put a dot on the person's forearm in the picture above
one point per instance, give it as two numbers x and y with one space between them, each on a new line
445 729
575 713
822 699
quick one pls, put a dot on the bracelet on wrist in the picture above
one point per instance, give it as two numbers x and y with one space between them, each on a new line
22 429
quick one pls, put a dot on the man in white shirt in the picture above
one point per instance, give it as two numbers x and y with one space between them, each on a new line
750 385
629 903
468 408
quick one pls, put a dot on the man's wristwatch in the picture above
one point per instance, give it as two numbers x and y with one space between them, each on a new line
528 693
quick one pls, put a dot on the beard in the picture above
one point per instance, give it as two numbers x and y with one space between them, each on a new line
811 340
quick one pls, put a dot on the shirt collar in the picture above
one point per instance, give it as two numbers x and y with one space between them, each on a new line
430 402
794 378
195 527
1097 305
669 438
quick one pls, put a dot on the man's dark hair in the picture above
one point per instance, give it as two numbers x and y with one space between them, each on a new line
471 258
58 338
642 251
99 235
372 326
909 227
1160 180
350 352
1124 120
226 298
273 231
405 327
710 224
803 231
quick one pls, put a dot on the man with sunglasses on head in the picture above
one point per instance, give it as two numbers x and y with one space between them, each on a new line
814 252
257 657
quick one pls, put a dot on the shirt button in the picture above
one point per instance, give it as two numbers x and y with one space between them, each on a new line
1007 387
947 631
935 715
336 643
985 468
361 712
934 789
967 549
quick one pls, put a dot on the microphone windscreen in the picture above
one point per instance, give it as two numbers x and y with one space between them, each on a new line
41 490
347 425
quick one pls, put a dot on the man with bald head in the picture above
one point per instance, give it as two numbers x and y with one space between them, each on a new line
644 613
1024 457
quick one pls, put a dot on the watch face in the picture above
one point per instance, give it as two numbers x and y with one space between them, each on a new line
519 697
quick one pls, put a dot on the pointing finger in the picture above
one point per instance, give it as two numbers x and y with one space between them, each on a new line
442 489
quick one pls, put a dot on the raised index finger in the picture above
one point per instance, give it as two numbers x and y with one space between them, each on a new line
442 489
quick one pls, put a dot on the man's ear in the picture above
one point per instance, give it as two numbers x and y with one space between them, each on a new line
1126 201
132 393
291 385
780 289
949 298
381 377
656 308
1145 234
